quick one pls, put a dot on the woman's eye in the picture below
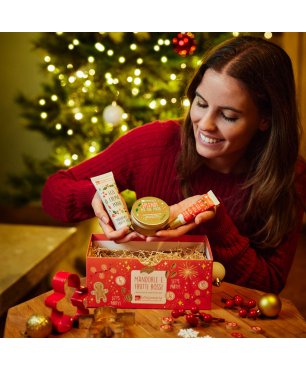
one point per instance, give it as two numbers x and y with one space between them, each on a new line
201 104
230 119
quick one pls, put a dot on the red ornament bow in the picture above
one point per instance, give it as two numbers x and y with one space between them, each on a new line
67 287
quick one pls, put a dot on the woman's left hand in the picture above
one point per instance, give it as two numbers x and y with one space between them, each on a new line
175 210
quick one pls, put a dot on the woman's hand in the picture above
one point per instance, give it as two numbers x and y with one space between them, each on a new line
121 235
175 210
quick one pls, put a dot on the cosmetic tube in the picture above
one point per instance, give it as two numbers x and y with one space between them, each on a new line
206 202
107 189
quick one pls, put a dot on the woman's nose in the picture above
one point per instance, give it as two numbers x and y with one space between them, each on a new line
207 122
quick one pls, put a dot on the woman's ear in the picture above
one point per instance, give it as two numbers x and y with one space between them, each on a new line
264 124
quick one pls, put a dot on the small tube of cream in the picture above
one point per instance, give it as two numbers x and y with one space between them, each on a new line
107 189
206 202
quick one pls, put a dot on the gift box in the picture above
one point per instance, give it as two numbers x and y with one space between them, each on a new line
176 273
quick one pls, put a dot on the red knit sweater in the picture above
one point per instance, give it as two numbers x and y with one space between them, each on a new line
144 160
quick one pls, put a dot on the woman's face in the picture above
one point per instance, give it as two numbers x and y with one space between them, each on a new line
225 119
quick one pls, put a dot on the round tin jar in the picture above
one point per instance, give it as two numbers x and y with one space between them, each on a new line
149 214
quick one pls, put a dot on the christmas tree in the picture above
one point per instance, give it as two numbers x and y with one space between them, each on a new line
101 85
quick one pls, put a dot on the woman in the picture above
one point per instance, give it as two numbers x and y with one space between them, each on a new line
240 139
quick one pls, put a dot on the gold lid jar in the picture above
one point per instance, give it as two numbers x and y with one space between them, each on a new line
149 214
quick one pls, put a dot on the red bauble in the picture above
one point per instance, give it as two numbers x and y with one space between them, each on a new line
184 43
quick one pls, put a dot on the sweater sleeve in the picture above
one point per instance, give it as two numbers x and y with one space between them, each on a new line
262 269
67 194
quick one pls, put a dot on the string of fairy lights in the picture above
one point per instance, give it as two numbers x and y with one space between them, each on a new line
82 83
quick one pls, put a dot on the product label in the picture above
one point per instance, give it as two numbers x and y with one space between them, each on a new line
148 287
203 204
150 210
108 191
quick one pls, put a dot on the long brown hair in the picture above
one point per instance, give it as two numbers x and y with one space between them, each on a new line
266 71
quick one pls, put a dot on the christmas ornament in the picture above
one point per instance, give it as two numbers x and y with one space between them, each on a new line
38 326
184 43
218 273
113 114
269 305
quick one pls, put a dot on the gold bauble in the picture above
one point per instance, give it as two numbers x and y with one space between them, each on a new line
38 326
270 305
218 273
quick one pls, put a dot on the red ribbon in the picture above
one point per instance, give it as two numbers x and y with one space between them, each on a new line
60 320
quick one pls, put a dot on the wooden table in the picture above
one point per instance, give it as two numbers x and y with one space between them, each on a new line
27 254
288 324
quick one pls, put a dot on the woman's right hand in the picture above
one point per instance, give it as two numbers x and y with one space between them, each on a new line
121 235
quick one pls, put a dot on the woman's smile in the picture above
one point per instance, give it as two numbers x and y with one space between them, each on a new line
210 140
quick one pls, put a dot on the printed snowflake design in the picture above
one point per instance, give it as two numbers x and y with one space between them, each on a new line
188 271
188 333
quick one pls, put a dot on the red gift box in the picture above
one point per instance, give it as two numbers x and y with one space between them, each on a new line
125 282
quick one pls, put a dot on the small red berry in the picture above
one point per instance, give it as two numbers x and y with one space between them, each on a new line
191 319
194 309
251 303
181 311
243 312
252 314
238 300
229 303
207 317
175 313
